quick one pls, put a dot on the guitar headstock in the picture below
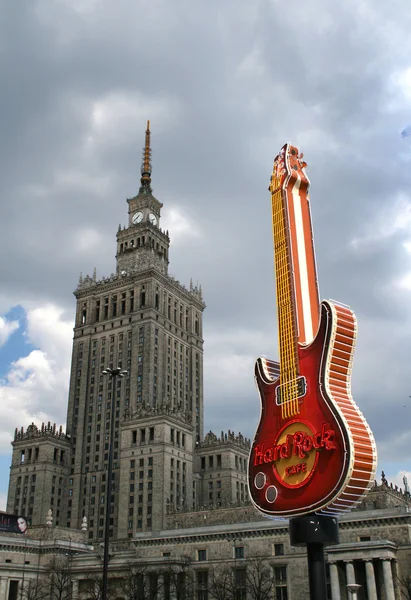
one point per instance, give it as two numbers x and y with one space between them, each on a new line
288 165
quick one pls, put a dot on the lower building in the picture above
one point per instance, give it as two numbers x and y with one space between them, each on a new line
227 552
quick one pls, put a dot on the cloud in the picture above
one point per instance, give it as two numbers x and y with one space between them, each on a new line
183 227
225 85
7 328
36 385
117 116
398 479
86 239
394 218
229 378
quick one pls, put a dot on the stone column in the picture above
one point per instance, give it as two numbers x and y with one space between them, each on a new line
369 573
335 583
3 588
388 581
74 589
349 569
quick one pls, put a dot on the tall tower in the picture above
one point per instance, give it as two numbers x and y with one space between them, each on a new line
144 321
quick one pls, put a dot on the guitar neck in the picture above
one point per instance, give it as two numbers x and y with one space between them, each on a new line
287 331
296 277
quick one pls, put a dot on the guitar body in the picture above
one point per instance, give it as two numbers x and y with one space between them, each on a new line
315 452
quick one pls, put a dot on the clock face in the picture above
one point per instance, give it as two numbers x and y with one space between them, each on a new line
152 218
137 217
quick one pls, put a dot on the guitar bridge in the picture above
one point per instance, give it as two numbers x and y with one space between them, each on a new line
299 385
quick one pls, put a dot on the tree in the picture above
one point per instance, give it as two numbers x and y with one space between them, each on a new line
59 578
34 589
94 589
405 585
221 584
260 583
139 583
178 583
142 582
253 580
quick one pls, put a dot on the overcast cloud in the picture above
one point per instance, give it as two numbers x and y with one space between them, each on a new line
225 85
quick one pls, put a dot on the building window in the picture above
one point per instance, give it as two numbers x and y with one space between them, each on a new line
280 576
240 584
279 549
201 555
202 585
239 552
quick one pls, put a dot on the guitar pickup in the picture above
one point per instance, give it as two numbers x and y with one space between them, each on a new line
282 390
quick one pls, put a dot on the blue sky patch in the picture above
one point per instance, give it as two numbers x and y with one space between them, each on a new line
18 344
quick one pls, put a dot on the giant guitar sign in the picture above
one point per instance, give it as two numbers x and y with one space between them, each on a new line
313 450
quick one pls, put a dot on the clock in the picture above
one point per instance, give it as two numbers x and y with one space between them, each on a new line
137 217
152 218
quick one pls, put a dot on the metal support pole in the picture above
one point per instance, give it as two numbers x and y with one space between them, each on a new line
113 374
316 571
314 531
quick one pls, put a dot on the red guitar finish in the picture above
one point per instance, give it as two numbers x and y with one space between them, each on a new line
313 449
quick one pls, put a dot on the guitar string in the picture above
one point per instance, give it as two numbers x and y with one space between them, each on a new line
277 259
281 299
292 395
287 340
283 302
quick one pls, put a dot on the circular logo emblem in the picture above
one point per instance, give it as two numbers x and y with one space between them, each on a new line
297 454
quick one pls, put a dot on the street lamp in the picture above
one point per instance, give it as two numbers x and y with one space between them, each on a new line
353 589
113 374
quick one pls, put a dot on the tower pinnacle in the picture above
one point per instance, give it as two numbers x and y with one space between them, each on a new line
146 164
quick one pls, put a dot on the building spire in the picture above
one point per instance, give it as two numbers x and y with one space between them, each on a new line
146 164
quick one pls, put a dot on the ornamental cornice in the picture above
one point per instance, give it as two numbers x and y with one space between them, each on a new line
40 547
211 441
136 230
211 537
152 414
32 432
115 282
375 521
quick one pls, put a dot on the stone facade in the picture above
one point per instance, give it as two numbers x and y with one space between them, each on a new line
374 552
39 473
221 469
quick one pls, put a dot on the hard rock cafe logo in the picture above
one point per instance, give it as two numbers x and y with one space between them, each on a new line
294 454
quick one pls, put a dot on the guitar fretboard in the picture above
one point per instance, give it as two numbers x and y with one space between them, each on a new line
287 331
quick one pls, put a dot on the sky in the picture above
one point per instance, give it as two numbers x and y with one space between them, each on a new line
225 85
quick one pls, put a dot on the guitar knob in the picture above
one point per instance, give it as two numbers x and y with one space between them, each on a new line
271 494
260 480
